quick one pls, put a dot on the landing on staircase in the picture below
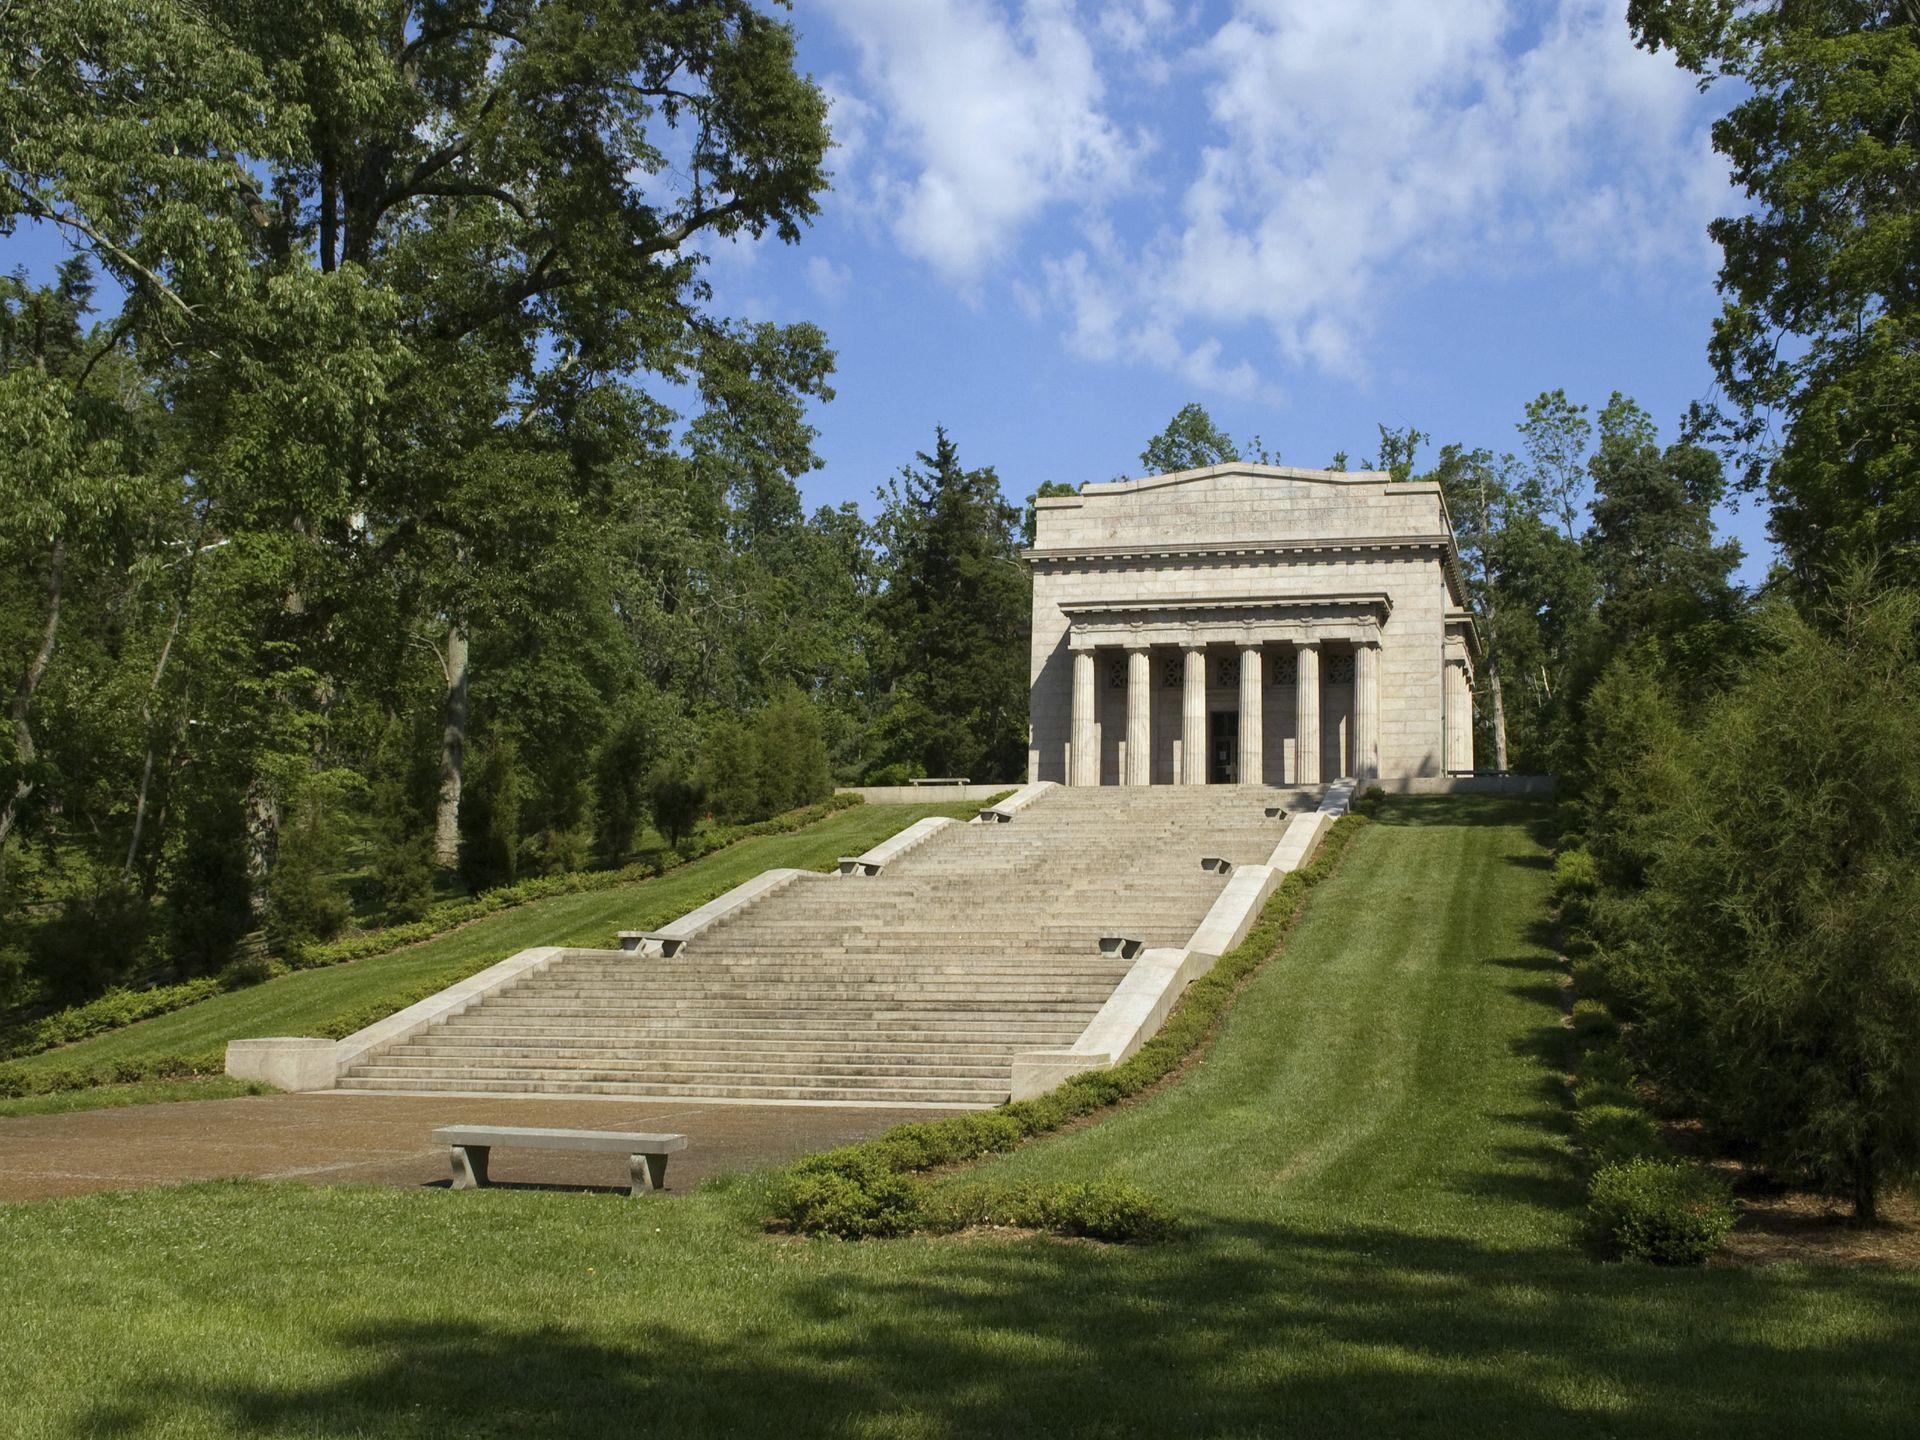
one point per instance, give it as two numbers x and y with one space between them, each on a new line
916 986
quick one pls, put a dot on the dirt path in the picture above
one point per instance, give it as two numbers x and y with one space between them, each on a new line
388 1140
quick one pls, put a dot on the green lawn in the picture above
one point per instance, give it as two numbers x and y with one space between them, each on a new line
308 1001
1382 1241
142 1092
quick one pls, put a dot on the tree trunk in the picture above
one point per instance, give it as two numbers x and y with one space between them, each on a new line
146 727
1866 1190
1499 714
23 703
453 752
263 844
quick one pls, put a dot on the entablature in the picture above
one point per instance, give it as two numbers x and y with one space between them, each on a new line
1250 620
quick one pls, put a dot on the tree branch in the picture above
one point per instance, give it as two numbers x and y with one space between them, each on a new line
472 187
43 210
433 37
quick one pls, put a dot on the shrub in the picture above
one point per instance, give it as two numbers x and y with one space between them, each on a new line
1607 1062
16 976
676 799
208 888
303 906
847 1193
791 750
1593 1022
1603 1090
1660 1211
1576 875
730 771
93 944
1616 1132
620 780
490 816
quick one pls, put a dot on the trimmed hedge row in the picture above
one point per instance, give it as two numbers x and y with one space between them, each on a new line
1643 1203
869 1190
118 1008
18 1080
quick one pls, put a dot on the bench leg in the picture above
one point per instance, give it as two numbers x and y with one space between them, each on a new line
649 1173
470 1166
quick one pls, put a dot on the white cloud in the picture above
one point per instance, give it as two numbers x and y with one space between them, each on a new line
826 279
987 119
1321 161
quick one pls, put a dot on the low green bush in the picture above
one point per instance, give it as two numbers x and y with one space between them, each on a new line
1615 1132
1660 1211
1576 874
1607 1061
1593 1022
1108 1210
19 1080
805 1204
1590 1090
847 1193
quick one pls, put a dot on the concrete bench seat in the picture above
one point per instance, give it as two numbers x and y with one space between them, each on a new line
471 1145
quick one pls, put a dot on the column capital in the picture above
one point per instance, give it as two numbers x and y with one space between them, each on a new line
1136 642
1249 642
1081 644
1307 642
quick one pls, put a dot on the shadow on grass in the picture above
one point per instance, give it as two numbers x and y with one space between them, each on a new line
1256 1327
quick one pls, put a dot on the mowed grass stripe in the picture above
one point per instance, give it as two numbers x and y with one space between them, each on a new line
1382 1058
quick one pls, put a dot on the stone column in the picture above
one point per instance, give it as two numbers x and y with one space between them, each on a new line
1252 715
1193 718
1366 712
1459 716
1306 715
1139 716
1086 753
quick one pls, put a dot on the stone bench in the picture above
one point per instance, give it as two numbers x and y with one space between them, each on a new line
471 1144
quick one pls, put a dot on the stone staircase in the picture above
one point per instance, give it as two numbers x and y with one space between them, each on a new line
913 987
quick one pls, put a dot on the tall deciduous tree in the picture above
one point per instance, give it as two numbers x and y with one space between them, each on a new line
360 237
1819 341
70 450
1191 441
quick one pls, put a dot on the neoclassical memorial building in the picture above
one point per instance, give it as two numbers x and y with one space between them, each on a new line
1248 624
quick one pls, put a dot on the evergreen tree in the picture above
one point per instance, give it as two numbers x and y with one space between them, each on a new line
951 622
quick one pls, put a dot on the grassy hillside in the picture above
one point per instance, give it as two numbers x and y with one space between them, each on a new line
313 1002
1371 1161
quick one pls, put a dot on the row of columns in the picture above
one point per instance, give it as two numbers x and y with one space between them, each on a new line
1193 715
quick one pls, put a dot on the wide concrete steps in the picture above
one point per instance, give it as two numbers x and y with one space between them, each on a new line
917 986
463 1083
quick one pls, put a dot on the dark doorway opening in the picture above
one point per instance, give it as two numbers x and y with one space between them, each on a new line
1223 747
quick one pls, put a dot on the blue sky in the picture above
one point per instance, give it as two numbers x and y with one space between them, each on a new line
1054 223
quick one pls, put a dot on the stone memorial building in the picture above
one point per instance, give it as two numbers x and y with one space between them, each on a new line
1248 624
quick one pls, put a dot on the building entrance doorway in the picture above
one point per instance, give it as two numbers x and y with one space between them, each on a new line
1223 747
